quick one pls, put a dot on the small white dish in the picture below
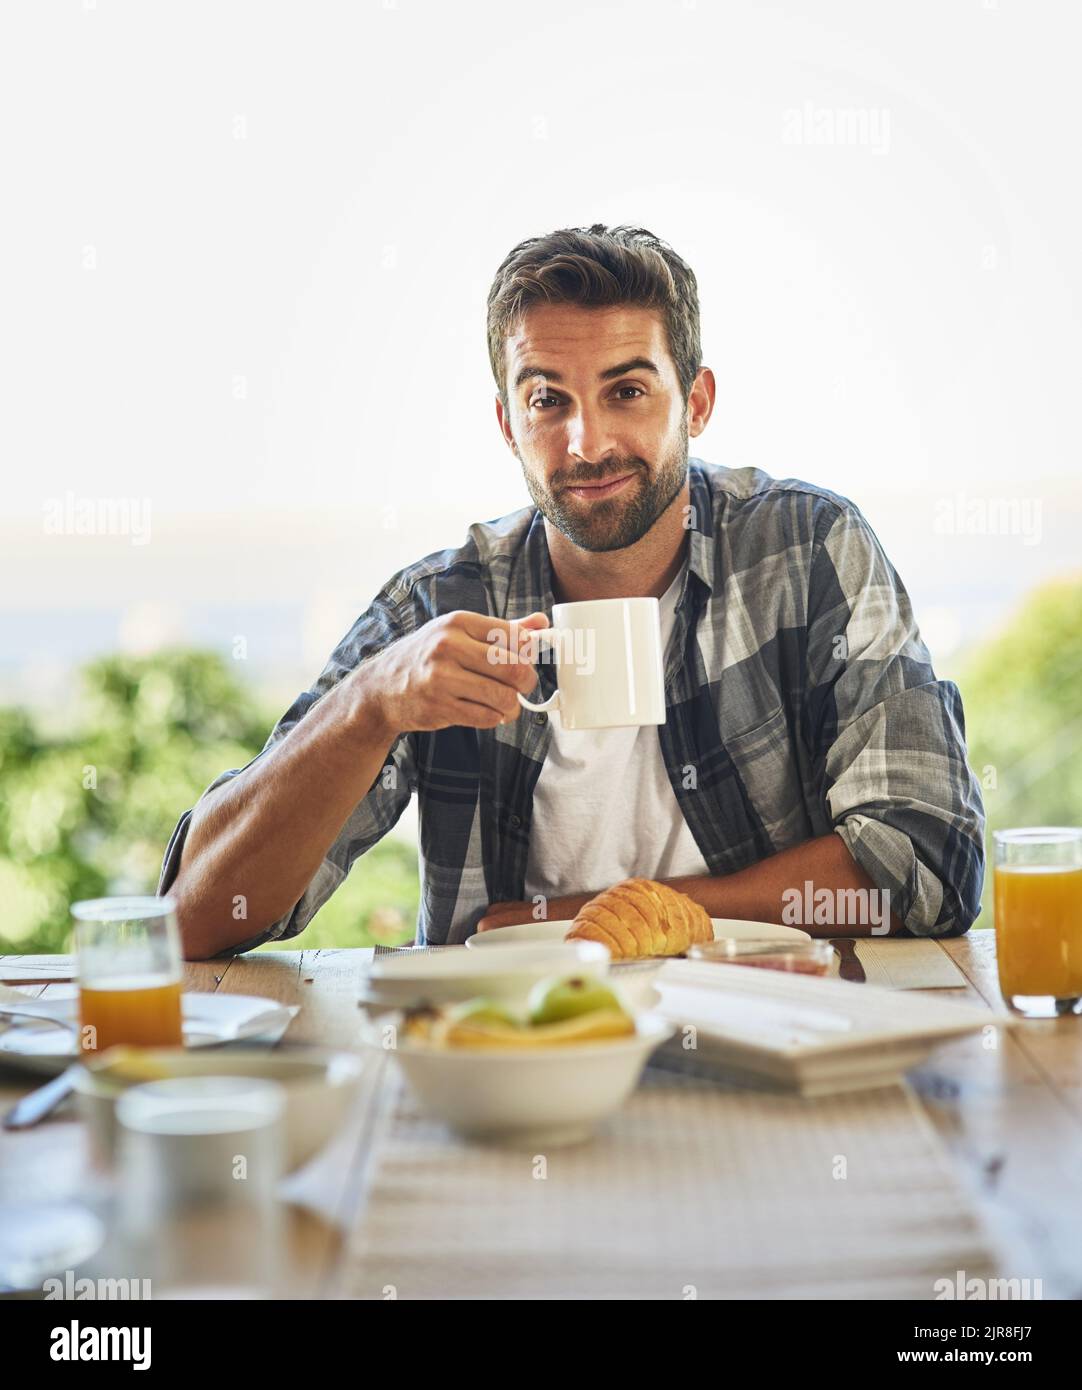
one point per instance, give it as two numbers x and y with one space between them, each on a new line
319 1084
537 932
209 1020
539 1098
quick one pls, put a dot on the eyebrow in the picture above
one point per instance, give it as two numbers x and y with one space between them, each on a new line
633 364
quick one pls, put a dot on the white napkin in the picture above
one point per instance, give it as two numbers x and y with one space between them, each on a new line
207 1017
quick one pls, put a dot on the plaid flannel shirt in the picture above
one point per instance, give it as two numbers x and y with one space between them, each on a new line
800 700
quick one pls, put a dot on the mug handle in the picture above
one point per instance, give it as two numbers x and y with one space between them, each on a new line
546 634
552 700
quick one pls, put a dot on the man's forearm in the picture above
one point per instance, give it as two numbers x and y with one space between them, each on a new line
261 837
770 890
757 893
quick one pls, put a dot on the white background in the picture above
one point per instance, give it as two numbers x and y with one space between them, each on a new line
246 248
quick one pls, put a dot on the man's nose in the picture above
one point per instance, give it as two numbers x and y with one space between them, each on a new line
589 437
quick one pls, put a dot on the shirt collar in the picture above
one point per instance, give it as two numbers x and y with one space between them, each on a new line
700 525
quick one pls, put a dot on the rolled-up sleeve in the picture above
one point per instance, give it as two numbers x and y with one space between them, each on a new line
888 737
371 819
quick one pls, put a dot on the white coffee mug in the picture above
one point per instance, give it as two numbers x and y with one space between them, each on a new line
609 663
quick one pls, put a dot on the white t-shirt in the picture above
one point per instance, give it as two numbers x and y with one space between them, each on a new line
604 808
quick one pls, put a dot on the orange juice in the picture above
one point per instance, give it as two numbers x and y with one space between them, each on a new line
143 1011
1039 930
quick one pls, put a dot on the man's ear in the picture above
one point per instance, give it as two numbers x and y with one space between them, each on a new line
701 402
505 426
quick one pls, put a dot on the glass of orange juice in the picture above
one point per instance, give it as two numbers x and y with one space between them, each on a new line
1038 905
127 954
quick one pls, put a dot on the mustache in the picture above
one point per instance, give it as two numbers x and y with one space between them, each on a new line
600 474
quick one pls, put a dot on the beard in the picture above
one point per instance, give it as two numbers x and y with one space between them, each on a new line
617 522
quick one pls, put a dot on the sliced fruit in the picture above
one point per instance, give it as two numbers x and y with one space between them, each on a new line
594 1026
482 1011
570 996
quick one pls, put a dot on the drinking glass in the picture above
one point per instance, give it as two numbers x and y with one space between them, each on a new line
200 1161
45 1240
127 954
1038 905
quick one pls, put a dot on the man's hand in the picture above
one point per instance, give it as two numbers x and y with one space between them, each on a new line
461 668
512 913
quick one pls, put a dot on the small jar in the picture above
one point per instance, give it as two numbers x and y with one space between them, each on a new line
796 957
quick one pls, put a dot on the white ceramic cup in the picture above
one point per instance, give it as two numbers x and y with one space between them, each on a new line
609 663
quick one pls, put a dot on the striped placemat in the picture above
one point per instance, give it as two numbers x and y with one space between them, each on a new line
693 1189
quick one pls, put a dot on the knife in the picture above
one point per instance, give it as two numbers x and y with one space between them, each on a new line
849 965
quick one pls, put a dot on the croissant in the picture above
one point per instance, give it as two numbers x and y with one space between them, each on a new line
639 917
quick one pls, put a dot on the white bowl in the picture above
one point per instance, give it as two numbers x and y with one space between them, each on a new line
529 1099
540 933
319 1086
413 978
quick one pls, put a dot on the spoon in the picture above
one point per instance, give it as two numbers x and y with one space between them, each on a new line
35 1106
7 1011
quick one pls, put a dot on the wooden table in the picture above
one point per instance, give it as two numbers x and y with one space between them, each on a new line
1010 1115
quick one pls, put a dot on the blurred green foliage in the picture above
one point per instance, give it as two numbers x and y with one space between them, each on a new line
1022 691
90 813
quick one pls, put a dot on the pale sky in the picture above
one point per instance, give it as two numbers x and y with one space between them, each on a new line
246 249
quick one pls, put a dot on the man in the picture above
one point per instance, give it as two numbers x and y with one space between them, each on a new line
809 753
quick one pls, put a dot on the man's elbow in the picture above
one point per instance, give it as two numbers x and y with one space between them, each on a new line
198 940
204 934
956 914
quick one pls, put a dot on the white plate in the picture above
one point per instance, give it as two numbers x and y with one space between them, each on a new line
724 927
320 1085
803 1032
209 1019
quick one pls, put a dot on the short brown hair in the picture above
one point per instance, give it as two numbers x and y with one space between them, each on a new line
596 266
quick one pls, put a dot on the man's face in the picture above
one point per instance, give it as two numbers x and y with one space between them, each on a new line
597 419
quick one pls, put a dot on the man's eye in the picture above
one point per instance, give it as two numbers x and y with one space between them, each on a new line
539 399
631 388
